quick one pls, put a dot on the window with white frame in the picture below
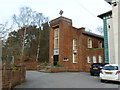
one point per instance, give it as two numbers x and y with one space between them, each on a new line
100 44
74 50
74 44
56 33
74 57
56 38
89 43
94 59
100 58
56 43
88 59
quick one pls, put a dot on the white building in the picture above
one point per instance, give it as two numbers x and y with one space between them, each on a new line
112 32
0 65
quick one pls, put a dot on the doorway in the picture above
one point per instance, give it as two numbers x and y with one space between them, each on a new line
56 59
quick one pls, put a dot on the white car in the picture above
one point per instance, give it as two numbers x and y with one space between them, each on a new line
110 72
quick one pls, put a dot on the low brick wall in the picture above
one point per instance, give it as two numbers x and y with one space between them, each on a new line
87 68
11 78
58 69
30 65
52 69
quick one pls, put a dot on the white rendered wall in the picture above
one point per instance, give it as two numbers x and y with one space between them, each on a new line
111 41
115 29
0 65
119 32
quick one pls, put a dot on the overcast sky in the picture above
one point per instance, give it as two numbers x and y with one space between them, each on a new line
82 12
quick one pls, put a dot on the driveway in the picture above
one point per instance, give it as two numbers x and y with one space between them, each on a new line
36 79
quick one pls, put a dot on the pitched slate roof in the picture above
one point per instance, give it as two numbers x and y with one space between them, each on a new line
93 34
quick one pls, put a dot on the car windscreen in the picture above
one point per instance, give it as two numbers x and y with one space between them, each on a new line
110 68
97 65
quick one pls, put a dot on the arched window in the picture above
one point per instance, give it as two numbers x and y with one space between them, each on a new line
100 44
74 44
89 43
56 38
74 57
74 50
100 59
88 59
94 59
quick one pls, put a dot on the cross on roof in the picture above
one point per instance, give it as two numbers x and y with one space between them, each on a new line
61 12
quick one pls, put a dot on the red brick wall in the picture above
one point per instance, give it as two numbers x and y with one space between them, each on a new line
66 35
51 45
30 65
13 77
91 52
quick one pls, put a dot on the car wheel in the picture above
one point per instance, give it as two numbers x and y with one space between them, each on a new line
98 74
102 80
91 74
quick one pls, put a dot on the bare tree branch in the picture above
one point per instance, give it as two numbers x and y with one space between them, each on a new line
4 30
99 30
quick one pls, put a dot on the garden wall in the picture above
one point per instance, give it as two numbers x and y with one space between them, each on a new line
59 69
52 69
11 77
30 65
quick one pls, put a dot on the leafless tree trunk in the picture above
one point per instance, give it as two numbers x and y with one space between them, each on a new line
28 17
38 49
23 45
40 19
23 20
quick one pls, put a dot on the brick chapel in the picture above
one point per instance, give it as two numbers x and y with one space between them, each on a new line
73 47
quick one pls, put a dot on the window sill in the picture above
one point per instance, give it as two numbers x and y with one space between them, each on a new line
65 60
74 51
88 63
74 62
94 48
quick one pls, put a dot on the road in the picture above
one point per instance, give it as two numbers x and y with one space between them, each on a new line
36 79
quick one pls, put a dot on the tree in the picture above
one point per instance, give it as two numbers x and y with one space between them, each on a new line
44 45
27 18
24 19
31 41
4 30
99 30
40 20
13 44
